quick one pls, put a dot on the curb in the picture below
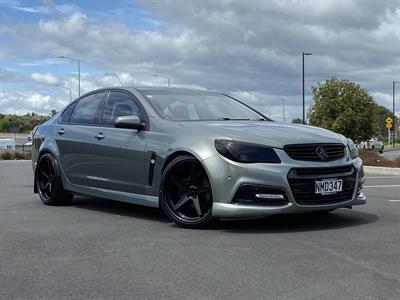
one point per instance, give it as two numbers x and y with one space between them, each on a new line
381 170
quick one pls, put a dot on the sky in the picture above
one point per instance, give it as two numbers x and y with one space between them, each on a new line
251 49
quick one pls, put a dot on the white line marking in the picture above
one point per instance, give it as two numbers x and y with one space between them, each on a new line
394 200
388 185
382 177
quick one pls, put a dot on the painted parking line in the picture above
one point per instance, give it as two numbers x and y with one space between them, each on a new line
377 186
394 200
381 177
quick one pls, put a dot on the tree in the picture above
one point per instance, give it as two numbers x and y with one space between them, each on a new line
25 122
344 107
297 121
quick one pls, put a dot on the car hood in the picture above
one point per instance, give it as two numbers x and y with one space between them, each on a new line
269 133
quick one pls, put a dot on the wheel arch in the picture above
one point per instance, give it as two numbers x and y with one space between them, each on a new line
174 155
184 152
40 154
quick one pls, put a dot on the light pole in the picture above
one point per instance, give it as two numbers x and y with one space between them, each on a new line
165 77
283 107
79 72
67 88
304 103
116 75
394 115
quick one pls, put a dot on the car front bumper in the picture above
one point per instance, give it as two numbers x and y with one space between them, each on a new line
226 177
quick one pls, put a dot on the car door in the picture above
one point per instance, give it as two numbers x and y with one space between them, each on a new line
119 153
75 135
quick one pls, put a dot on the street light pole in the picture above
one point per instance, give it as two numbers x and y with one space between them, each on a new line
116 75
394 114
67 88
79 71
165 77
304 102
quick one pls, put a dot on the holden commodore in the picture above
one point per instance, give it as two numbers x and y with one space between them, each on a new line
198 155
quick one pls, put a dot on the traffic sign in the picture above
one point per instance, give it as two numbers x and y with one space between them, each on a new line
389 120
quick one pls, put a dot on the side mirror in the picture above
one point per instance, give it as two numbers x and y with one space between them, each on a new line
130 122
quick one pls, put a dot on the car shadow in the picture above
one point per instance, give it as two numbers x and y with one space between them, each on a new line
119 208
340 218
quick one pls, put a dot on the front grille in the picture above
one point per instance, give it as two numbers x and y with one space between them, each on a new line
302 184
315 152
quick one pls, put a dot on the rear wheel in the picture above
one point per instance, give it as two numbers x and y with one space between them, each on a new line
186 195
48 182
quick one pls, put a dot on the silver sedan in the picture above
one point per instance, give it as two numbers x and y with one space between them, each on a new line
198 155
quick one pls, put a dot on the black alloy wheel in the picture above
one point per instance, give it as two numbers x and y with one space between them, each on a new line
48 182
186 195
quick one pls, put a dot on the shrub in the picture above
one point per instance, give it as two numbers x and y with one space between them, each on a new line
7 155
22 155
18 155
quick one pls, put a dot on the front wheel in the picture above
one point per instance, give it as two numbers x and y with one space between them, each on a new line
186 196
48 182
381 151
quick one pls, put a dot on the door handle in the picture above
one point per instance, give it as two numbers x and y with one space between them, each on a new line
61 131
99 136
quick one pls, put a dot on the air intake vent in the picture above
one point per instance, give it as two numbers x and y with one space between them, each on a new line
315 152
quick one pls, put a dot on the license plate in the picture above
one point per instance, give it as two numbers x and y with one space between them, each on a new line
328 186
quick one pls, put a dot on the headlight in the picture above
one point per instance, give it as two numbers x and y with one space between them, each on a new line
352 149
246 152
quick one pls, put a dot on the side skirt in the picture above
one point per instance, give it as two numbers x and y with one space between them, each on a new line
145 200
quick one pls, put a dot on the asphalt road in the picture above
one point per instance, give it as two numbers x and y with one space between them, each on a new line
98 249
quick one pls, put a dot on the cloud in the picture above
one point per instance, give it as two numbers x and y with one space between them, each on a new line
251 49
46 78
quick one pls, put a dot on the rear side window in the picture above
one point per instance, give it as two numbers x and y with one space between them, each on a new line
67 113
118 104
87 110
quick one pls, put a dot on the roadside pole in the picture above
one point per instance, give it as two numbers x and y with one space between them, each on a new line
389 125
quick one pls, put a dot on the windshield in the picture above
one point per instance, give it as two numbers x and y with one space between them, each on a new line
198 106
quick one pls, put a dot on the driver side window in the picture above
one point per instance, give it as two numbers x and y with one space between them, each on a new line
118 104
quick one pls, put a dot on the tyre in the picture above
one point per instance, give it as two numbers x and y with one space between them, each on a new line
381 151
186 195
48 182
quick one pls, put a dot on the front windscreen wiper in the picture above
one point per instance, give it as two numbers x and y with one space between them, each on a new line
231 119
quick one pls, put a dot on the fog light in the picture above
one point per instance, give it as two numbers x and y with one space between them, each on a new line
270 196
260 195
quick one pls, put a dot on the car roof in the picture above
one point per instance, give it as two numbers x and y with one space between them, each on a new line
155 88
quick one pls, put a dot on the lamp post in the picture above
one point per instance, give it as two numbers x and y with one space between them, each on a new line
67 88
394 115
304 103
79 71
116 75
165 77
